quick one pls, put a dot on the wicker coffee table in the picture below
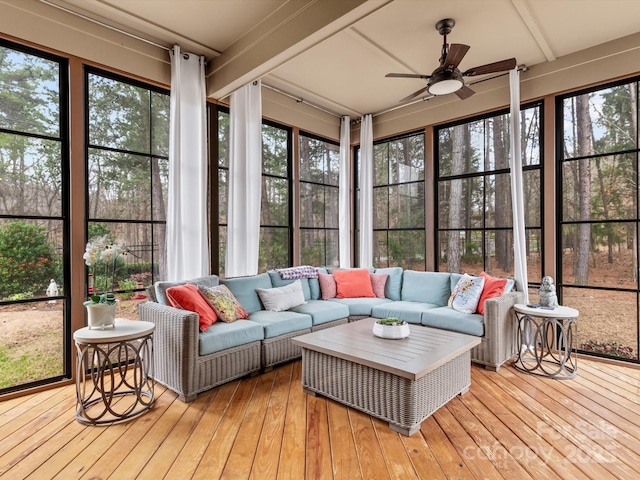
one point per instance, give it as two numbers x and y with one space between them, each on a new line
399 381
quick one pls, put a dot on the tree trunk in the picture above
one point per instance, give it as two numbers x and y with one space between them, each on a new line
159 213
455 199
502 200
585 148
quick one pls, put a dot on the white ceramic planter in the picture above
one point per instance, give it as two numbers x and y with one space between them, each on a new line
100 315
391 331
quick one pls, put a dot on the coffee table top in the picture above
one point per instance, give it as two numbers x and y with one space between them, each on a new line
413 357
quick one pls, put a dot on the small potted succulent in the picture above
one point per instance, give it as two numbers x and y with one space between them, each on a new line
391 327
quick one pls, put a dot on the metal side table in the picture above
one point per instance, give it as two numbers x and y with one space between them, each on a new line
546 341
114 376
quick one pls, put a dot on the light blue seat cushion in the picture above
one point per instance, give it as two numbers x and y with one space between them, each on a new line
426 287
222 335
279 323
449 319
359 306
322 311
393 287
244 289
161 287
408 311
276 281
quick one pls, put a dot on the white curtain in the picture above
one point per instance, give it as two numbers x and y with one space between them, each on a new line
245 181
517 192
344 213
187 246
366 192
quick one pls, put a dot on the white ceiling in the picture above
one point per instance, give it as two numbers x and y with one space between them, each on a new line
343 68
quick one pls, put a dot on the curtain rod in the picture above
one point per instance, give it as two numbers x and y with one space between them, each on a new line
301 100
111 27
102 24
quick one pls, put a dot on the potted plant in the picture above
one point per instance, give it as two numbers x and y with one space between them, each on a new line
391 327
101 256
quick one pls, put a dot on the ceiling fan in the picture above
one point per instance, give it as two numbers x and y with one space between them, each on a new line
447 78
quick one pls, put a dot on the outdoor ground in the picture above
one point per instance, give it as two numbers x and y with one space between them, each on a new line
31 339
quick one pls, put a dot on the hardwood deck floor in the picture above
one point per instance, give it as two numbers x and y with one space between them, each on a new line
509 425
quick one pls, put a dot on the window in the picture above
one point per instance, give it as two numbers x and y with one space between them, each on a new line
275 217
319 183
275 231
223 186
398 202
127 168
474 214
599 220
34 227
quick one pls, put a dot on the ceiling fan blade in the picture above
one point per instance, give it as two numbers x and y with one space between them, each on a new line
464 92
456 53
407 75
500 66
414 94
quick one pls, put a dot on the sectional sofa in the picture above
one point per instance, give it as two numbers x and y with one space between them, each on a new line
189 361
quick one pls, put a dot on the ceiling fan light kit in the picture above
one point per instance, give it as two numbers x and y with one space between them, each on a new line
447 78
445 82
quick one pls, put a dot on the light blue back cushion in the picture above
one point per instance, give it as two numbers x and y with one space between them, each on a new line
276 281
244 289
426 287
393 287
161 287
455 277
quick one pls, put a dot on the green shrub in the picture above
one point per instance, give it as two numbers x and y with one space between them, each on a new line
128 286
26 259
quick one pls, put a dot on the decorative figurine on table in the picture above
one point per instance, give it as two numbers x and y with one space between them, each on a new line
547 292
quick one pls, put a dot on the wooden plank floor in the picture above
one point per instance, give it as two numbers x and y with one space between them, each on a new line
509 425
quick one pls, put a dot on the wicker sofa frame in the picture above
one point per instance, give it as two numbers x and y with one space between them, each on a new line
180 367
178 364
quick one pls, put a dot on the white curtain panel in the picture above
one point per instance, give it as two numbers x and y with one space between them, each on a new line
517 192
366 192
245 181
344 212
187 245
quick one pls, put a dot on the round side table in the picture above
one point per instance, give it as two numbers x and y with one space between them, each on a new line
546 341
114 376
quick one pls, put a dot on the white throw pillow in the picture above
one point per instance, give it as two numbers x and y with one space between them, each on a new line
282 298
466 295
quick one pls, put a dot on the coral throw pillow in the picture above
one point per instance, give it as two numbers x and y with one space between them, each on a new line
493 287
187 297
466 295
223 302
327 285
378 281
353 284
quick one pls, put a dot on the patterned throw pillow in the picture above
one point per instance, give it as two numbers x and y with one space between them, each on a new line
223 303
466 295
